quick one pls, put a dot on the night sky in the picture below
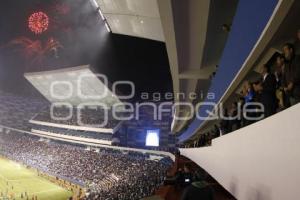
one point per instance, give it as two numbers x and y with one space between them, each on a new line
84 40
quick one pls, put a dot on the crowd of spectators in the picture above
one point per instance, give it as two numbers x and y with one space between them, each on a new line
91 117
277 88
17 110
107 174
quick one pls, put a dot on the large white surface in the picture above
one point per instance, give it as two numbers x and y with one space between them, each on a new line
258 162
76 85
139 18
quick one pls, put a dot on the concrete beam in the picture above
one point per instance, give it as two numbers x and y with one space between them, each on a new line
203 73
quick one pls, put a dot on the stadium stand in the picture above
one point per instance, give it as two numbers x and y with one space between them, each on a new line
113 174
16 111
244 53
276 87
83 117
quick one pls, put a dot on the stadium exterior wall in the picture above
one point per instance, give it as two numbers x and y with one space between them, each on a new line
260 161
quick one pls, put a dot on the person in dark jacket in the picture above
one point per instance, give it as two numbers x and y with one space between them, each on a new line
279 74
235 118
198 190
291 75
268 94
225 123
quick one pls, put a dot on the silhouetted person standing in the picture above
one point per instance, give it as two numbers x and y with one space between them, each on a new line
291 74
268 93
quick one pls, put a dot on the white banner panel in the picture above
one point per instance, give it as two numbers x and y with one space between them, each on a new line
260 161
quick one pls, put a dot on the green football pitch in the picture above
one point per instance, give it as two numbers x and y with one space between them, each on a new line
16 180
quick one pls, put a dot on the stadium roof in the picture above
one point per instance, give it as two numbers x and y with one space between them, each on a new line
140 18
75 86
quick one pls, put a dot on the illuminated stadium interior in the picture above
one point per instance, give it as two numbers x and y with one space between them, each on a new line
149 100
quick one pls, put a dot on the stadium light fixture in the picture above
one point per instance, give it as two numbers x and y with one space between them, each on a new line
95 3
101 14
107 27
